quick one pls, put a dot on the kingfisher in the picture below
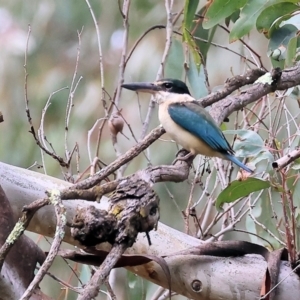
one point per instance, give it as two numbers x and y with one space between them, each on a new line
186 120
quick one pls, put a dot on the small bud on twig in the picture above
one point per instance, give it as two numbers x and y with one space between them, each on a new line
116 124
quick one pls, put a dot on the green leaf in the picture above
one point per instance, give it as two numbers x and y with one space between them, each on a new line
188 38
234 17
296 166
249 15
196 80
247 19
263 213
248 143
277 187
189 11
132 280
85 274
262 156
175 60
291 52
262 162
136 287
294 96
203 37
238 189
284 20
277 63
293 20
219 10
279 41
270 14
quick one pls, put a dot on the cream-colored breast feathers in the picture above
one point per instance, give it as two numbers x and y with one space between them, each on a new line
187 140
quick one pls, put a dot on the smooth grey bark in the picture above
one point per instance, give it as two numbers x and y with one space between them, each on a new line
218 278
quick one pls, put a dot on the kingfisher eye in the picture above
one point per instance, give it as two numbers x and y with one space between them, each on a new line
168 85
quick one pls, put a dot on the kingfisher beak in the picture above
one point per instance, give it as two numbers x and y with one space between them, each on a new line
146 87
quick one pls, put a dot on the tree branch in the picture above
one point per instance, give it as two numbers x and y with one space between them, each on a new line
285 160
222 109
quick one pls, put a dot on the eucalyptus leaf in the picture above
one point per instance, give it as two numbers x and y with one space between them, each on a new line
247 19
190 41
203 37
190 8
262 156
233 17
291 52
189 11
219 10
132 280
248 143
197 80
175 60
136 286
293 20
238 189
263 213
249 15
85 274
272 13
280 39
296 166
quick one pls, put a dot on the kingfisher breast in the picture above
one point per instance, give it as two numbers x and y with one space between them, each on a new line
181 136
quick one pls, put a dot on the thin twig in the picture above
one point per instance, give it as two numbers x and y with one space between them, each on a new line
28 114
160 73
92 288
71 96
54 199
90 132
101 69
125 11
129 155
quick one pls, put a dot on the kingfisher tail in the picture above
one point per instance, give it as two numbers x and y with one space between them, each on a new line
237 162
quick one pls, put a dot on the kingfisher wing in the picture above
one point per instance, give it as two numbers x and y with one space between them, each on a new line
195 119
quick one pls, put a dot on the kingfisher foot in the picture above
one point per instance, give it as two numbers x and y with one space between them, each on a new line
190 154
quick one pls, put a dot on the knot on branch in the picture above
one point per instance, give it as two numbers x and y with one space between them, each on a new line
134 208
93 226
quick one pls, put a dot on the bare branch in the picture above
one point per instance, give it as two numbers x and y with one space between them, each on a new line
123 159
92 288
289 78
125 13
285 160
54 199
232 85
71 96
160 73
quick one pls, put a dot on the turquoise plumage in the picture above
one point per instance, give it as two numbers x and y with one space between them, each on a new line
187 122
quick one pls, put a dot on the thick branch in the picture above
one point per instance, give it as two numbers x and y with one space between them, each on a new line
176 173
231 85
23 186
222 109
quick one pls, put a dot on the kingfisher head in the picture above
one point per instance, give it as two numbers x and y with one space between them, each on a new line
162 89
